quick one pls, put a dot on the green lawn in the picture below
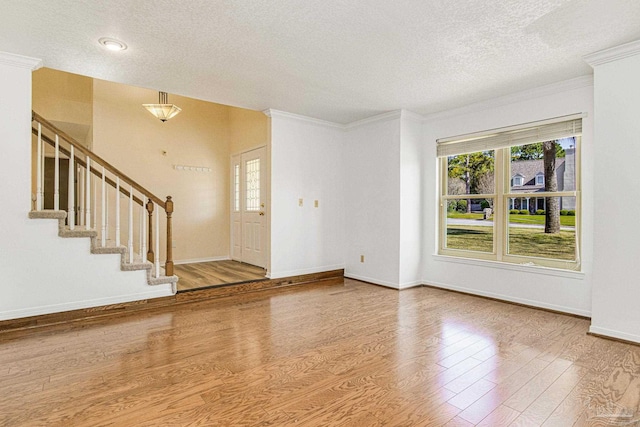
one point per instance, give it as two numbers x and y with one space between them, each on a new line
565 221
464 215
522 241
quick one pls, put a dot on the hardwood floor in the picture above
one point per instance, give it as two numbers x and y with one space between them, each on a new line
206 274
327 354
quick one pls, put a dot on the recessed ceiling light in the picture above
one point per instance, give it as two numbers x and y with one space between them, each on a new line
112 44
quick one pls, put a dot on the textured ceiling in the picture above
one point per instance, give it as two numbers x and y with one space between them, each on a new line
338 60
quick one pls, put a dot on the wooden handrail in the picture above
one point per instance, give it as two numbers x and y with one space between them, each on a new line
167 205
82 163
94 157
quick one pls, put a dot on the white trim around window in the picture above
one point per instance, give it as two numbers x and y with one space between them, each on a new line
501 198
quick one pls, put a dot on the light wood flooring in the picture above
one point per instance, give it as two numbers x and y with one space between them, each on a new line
215 273
326 354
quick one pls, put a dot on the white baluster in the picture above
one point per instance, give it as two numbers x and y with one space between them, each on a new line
118 211
42 175
103 217
140 233
80 196
39 171
87 188
106 215
56 177
72 192
143 234
95 203
130 237
157 254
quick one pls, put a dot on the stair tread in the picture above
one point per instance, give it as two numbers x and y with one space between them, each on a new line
78 232
162 280
109 250
47 214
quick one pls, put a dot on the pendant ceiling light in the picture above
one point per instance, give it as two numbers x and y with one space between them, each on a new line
163 110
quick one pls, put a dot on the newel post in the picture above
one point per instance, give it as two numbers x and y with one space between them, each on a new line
168 266
150 254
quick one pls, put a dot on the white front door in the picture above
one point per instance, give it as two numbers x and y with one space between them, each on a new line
248 213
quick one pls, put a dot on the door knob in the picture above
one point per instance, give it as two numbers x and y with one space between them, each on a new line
261 214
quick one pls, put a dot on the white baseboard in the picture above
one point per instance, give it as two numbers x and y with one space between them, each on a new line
281 274
157 292
614 334
533 303
196 260
399 286
414 284
372 280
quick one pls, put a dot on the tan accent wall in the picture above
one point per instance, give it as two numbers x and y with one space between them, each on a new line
146 149
248 129
66 100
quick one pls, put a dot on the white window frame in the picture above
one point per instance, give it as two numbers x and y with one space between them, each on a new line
501 199
539 179
518 180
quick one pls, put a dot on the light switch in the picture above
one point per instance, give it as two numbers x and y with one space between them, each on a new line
315 203
300 202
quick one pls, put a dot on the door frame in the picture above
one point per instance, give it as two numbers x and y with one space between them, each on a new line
237 157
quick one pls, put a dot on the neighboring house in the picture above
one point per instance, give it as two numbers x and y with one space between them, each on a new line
527 177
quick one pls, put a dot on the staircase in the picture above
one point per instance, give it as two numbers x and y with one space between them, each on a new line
91 199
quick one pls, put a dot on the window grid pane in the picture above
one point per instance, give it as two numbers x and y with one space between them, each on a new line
469 231
471 173
236 183
528 235
253 185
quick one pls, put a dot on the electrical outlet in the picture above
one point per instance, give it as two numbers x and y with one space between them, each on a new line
174 244
361 258
315 203
300 202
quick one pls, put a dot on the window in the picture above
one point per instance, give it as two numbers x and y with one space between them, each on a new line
236 188
489 206
253 185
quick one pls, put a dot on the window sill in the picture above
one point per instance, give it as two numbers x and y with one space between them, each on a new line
534 269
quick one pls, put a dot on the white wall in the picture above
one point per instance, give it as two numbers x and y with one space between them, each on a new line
372 200
557 290
411 183
616 293
36 275
306 163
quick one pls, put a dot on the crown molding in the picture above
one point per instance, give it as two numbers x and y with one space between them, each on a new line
539 92
613 54
406 114
20 61
390 115
283 114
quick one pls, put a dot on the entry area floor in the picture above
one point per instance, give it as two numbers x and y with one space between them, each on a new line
215 273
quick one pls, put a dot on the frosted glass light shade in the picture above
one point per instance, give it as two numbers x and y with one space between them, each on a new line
163 110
